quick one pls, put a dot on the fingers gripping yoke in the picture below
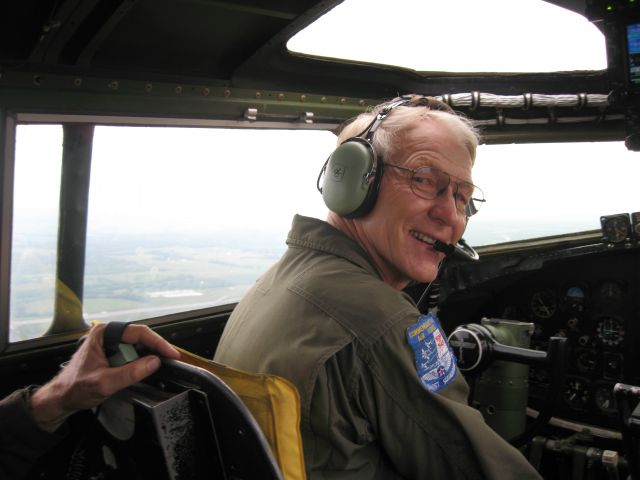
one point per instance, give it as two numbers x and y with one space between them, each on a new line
117 353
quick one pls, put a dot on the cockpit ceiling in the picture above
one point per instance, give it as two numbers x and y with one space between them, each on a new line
233 43
197 38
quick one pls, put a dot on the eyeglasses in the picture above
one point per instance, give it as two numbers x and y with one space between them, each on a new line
429 183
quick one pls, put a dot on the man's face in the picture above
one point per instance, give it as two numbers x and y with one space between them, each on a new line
400 229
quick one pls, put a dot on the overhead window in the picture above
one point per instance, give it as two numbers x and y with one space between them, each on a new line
460 36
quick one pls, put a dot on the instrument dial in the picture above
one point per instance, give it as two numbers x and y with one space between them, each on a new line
605 399
610 294
577 393
574 299
543 304
610 330
615 228
586 361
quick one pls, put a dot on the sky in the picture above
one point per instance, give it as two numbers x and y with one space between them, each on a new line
149 179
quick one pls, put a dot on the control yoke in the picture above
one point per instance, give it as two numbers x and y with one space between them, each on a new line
477 347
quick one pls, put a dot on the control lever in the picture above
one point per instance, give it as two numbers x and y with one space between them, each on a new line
117 352
477 347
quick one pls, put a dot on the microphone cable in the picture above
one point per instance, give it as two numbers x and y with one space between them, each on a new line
431 294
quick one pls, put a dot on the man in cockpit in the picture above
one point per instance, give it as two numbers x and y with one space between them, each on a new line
381 396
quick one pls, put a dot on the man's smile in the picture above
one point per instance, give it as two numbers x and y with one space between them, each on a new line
421 237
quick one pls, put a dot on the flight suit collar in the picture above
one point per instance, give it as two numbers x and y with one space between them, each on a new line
318 235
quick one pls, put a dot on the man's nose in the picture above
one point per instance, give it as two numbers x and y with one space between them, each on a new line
445 201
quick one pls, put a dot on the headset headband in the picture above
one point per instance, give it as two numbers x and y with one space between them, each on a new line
382 114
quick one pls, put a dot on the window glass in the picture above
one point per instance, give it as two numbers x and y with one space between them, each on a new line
187 218
36 195
179 218
537 190
460 36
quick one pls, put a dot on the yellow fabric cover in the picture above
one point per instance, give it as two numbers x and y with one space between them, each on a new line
275 404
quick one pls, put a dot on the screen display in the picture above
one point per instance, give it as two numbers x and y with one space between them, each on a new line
633 52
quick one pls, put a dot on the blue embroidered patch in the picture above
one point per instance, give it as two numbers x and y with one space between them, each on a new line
435 361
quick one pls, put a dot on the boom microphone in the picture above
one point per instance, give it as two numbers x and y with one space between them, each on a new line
461 251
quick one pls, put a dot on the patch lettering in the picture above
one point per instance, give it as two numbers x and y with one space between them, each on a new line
435 362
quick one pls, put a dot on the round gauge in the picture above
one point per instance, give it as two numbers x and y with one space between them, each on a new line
605 399
615 228
574 299
610 294
609 330
576 393
586 360
543 304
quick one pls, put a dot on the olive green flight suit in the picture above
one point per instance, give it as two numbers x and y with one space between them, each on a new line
22 441
322 318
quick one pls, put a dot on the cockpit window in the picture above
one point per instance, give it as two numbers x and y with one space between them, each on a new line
178 218
186 218
539 190
461 36
36 197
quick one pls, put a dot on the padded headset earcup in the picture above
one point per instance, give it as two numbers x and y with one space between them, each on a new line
349 189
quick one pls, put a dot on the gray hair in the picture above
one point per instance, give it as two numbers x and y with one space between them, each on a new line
388 136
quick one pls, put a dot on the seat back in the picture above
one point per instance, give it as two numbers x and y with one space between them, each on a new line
183 422
274 403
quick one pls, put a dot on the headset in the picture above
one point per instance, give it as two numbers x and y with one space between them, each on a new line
352 174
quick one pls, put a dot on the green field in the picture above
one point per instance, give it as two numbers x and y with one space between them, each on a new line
131 277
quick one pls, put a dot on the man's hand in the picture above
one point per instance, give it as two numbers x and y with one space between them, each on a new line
88 380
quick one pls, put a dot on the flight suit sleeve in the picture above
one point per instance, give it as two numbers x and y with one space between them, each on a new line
425 434
22 442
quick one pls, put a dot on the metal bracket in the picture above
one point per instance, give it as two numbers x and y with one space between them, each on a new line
251 114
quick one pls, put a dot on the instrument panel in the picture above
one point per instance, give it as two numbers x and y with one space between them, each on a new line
591 297
592 315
